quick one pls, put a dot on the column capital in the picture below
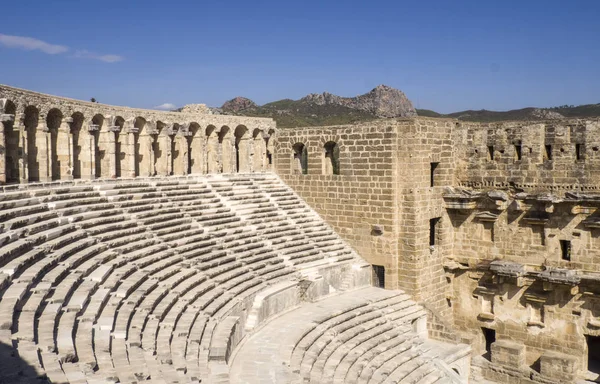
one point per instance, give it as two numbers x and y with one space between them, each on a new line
114 128
93 127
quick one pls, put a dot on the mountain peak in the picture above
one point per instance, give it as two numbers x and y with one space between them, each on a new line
238 104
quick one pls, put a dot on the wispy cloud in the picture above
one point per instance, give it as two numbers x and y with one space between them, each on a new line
84 54
31 44
166 106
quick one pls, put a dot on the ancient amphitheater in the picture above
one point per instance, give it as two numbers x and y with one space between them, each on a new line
186 247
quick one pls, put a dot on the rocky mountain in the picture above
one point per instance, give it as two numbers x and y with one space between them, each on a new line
326 108
322 109
238 104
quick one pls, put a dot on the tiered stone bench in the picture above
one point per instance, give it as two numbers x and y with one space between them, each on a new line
160 279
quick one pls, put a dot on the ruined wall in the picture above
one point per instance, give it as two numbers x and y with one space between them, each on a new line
524 238
360 202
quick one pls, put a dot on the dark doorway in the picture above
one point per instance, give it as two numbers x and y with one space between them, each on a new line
379 276
490 338
593 344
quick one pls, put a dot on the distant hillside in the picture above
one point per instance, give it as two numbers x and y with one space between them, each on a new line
326 108
532 114
321 109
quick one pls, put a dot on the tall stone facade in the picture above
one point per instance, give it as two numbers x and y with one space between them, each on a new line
491 226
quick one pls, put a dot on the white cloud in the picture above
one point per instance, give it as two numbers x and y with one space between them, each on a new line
84 54
166 106
31 44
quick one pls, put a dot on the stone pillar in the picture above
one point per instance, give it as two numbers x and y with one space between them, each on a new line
4 120
112 151
164 145
23 158
88 152
64 149
44 150
131 157
181 146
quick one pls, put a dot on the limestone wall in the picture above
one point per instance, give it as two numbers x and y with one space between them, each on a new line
44 138
359 202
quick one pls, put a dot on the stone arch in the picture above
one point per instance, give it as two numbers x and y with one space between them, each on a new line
30 121
147 146
76 125
259 150
299 159
8 111
195 144
331 158
242 149
119 158
98 152
212 149
53 122
161 148
226 150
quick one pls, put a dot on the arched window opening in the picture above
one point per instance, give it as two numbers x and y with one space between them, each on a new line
53 121
331 158
300 159
242 149
173 151
226 148
31 123
11 137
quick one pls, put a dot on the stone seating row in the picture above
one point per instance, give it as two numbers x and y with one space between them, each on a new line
112 289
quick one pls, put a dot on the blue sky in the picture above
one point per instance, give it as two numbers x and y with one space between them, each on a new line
445 55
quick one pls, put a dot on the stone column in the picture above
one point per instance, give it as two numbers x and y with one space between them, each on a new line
88 152
5 119
111 151
131 157
64 149
163 163
23 158
42 141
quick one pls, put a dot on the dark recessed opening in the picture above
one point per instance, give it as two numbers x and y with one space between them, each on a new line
433 223
578 152
518 153
490 152
269 158
548 152
378 276
490 338
432 173
593 344
565 249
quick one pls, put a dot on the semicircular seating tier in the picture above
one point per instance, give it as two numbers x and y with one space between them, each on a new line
181 279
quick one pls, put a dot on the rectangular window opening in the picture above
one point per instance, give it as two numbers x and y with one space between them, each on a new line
578 152
518 152
593 347
490 338
548 152
490 152
432 174
379 276
565 249
433 224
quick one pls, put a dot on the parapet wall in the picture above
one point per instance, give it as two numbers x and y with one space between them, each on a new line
530 156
